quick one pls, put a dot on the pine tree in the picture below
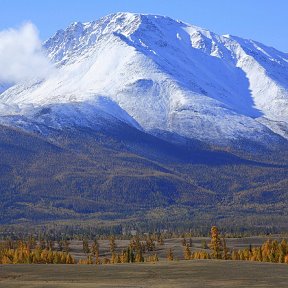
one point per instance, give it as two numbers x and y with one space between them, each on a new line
94 247
259 255
124 256
152 258
184 243
139 256
6 260
284 246
155 258
57 258
50 257
215 244
112 244
225 250
170 256
113 258
85 245
42 243
89 259
160 240
97 259
187 252
150 244
131 255
70 259
95 251
282 251
60 245
66 247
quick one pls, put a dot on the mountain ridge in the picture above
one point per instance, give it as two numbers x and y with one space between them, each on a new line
166 75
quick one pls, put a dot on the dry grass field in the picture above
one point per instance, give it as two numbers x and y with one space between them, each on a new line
194 273
179 273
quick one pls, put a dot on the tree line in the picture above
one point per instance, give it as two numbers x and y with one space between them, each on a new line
270 251
138 250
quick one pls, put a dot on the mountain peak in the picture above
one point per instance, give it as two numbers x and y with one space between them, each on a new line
159 74
136 27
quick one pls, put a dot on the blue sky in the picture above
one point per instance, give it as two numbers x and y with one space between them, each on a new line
262 20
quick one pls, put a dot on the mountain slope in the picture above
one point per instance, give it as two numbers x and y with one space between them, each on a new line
158 75
119 174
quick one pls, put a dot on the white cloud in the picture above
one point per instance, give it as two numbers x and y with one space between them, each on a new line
21 55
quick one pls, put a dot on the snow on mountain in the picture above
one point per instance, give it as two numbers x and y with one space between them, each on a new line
157 74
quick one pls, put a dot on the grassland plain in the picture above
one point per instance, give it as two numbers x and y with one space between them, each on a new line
179 273
194 273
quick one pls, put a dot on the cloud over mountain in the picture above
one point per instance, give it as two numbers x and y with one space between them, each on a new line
21 55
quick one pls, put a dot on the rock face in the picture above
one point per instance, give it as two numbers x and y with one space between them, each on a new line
157 75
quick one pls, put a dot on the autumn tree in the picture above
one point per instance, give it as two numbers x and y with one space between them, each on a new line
226 255
139 256
60 245
170 256
184 243
152 258
187 252
112 244
85 245
95 251
50 244
215 244
160 240
66 246
150 243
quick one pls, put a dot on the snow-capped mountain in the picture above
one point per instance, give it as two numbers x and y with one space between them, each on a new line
158 75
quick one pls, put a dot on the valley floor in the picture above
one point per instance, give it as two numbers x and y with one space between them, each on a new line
193 273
